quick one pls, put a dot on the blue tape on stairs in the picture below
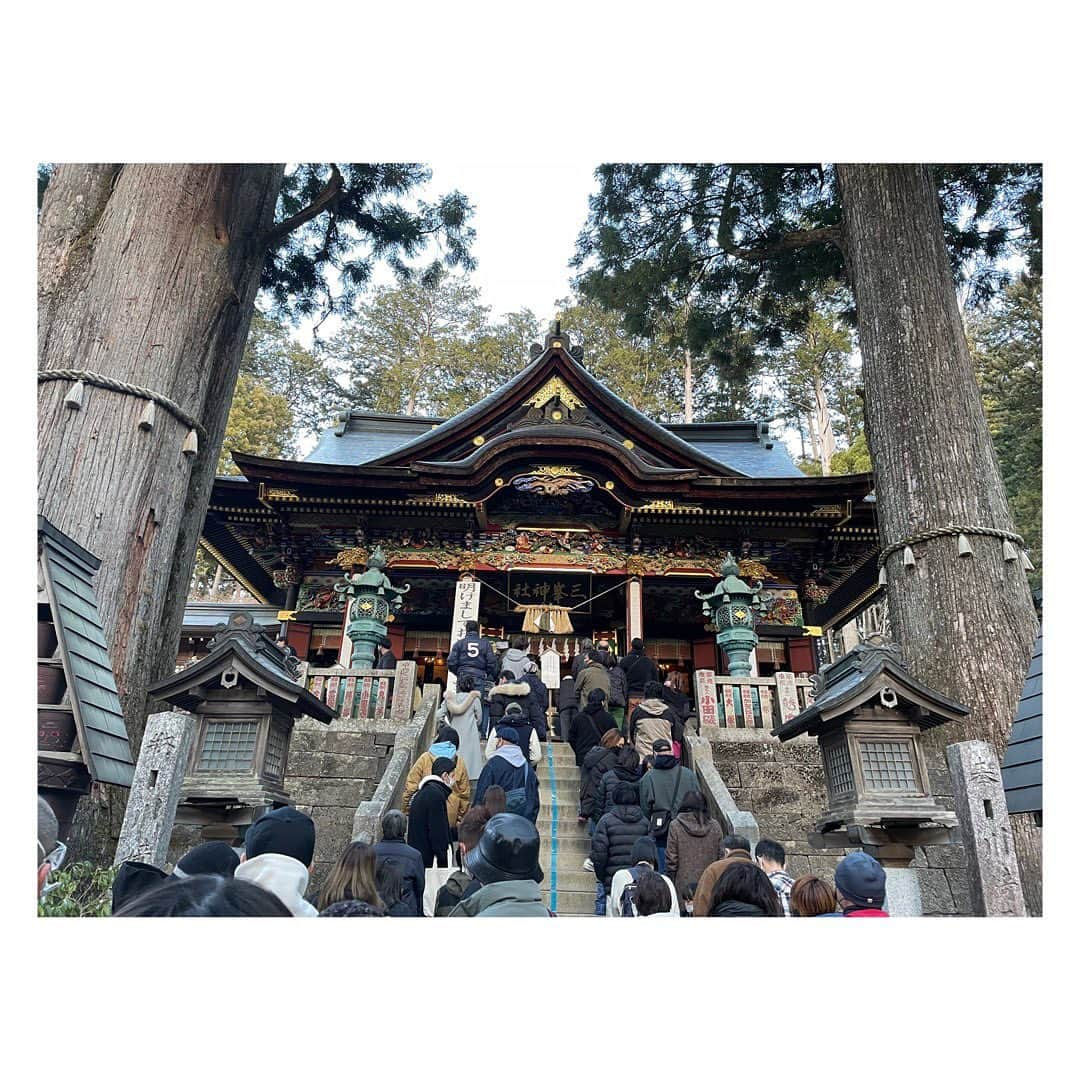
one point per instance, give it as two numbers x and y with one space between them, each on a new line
554 829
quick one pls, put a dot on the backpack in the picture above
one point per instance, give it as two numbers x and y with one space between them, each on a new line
660 819
628 901
517 799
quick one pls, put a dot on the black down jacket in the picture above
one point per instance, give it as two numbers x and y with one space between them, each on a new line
613 841
605 789
597 762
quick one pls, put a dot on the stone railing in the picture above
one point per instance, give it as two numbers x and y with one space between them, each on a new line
409 743
364 693
697 755
750 702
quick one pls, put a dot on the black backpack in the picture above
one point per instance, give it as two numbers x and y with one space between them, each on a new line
660 820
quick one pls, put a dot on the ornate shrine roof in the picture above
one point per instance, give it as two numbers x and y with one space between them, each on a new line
554 449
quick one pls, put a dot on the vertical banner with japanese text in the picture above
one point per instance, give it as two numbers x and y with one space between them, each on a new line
466 607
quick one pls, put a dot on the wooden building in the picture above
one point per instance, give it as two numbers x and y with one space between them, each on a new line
554 493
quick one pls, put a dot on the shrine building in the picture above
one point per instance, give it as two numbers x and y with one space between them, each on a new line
580 516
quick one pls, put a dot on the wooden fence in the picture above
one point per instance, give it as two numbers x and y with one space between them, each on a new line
364 693
762 702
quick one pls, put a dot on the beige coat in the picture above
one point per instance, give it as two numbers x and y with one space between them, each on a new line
460 795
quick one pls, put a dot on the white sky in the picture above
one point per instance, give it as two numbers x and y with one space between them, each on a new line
527 218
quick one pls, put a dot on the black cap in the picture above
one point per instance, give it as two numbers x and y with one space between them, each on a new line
661 746
284 831
509 850
213 857
513 709
861 879
133 879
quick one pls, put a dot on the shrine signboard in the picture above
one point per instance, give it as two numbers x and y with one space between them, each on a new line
466 607
561 590
708 709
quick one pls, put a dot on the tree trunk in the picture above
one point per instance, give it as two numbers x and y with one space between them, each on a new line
1027 836
147 274
688 388
966 625
823 423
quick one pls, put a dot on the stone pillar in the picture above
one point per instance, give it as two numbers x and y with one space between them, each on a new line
903 896
985 828
635 614
155 789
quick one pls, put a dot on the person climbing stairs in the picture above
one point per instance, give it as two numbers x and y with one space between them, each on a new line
564 844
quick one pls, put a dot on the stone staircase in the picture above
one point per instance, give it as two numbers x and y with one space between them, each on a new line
564 844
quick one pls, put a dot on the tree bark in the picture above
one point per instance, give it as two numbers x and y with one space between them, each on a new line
688 388
823 423
966 625
1027 838
147 274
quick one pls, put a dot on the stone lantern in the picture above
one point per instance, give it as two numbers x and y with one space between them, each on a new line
375 600
868 717
732 607
245 699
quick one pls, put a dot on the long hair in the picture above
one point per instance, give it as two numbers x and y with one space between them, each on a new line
390 883
204 896
353 878
749 883
653 894
495 800
812 896
694 803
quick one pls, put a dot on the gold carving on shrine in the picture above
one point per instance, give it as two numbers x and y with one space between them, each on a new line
660 504
350 557
478 441
279 494
557 470
439 498
628 443
636 566
556 388
828 510
753 570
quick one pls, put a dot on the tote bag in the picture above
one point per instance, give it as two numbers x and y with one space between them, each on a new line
435 877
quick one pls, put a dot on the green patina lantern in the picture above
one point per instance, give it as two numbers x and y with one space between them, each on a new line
732 607
375 599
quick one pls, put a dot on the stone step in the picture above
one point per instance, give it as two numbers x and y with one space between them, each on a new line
565 829
573 879
573 903
570 847
567 773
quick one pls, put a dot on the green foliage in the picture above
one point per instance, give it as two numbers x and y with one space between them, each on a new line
645 375
428 349
854 459
260 422
1006 347
371 216
83 890
746 248
300 376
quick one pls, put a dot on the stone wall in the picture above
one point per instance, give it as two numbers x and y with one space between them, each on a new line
332 769
783 786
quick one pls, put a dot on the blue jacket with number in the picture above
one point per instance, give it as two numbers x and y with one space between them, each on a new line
473 655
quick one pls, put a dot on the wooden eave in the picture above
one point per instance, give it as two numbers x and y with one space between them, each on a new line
181 688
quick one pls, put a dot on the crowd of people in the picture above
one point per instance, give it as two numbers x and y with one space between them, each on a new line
465 843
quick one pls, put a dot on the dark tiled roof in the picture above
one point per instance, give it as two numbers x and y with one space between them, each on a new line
96 704
1021 770
364 437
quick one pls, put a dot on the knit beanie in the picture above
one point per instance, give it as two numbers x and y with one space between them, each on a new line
213 857
861 879
284 831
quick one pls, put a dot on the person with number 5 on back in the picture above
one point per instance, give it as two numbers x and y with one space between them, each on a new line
473 655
